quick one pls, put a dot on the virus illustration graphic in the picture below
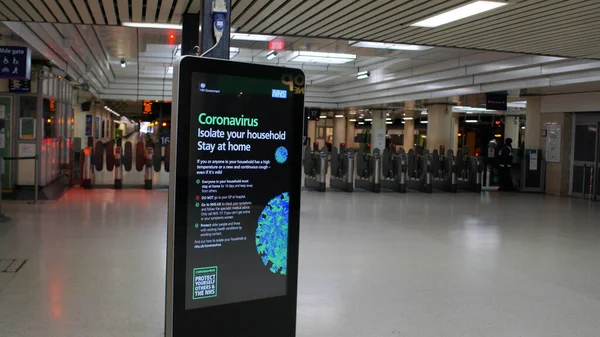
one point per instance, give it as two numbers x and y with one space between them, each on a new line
272 233
281 154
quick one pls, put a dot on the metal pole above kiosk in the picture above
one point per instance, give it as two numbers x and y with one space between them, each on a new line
207 35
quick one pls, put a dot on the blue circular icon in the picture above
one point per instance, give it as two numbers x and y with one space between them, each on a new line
281 154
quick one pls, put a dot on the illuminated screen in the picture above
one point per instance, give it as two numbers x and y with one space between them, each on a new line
239 190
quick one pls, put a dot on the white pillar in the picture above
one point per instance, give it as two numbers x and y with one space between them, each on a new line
339 131
533 122
311 131
440 127
378 131
350 135
454 145
409 135
512 129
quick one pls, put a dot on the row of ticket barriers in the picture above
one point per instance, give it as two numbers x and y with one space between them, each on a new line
119 163
391 169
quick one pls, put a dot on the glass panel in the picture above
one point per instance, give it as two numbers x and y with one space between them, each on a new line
585 140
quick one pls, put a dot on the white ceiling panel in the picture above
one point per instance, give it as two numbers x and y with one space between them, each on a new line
83 11
16 9
548 27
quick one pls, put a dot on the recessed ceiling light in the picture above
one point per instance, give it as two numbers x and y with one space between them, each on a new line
318 57
252 37
459 13
393 46
151 25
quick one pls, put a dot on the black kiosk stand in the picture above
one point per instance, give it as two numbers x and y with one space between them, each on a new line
234 199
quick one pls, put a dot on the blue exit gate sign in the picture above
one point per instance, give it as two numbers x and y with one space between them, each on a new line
15 63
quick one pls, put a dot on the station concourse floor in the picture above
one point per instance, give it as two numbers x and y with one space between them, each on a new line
497 265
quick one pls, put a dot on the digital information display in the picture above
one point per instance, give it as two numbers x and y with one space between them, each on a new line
236 199
239 191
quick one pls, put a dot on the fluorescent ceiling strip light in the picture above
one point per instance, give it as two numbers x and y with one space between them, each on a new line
318 57
352 120
424 113
339 116
424 122
389 122
368 119
362 75
393 46
151 25
388 119
403 122
471 121
407 118
323 117
252 37
271 54
459 13
361 123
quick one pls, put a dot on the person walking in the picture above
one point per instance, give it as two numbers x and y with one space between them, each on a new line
505 161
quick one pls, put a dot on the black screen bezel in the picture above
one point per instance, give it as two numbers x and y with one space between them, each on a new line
243 318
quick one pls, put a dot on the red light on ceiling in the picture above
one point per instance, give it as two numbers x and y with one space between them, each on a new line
172 36
276 45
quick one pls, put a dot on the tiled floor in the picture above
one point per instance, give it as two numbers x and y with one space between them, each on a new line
371 265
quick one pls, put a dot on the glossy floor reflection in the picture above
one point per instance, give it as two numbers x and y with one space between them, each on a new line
371 265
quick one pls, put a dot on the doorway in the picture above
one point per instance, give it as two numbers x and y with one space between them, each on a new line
586 156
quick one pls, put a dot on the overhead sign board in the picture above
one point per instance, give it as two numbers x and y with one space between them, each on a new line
234 207
496 102
15 63
19 86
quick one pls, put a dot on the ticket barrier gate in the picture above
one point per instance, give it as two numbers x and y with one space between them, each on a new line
342 169
394 167
368 169
419 176
469 172
315 168
443 171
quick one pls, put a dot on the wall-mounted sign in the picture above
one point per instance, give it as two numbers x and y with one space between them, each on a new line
15 63
553 143
19 86
234 209
26 128
97 127
89 120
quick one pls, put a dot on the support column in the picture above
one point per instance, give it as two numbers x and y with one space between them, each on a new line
350 135
533 122
207 39
454 143
311 131
440 127
511 129
339 131
378 131
409 135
